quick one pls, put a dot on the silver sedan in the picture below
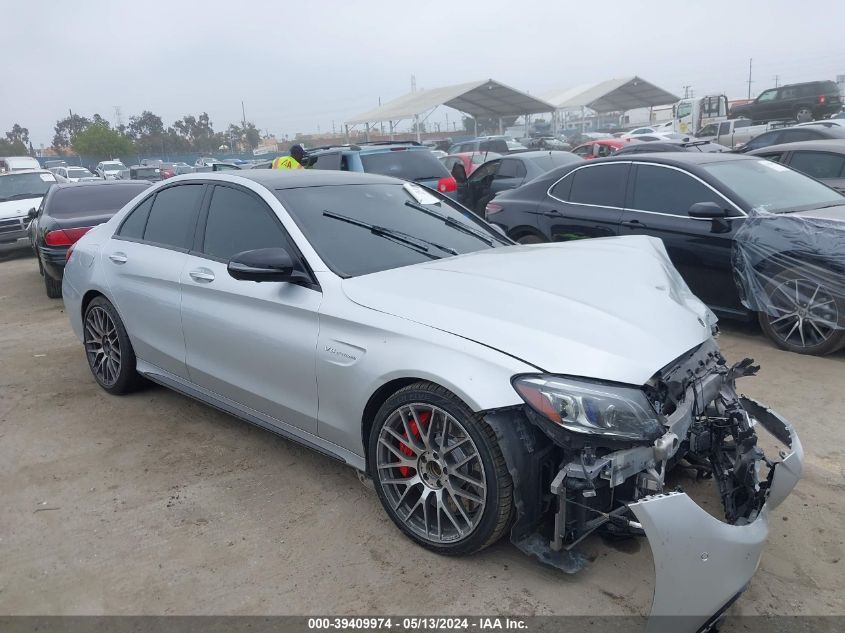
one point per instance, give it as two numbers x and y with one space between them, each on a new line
485 387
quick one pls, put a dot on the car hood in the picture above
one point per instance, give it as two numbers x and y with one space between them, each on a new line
18 208
612 308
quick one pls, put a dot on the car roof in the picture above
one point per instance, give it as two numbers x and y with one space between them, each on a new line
827 144
295 178
26 171
99 183
679 159
536 153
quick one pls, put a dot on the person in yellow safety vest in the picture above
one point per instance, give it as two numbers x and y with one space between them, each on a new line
294 161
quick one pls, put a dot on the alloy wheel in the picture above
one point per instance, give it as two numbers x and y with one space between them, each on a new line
803 313
102 345
431 473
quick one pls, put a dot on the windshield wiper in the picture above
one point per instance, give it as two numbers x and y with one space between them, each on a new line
450 221
415 243
21 196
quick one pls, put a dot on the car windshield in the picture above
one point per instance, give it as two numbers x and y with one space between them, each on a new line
113 166
769 186
20 186
362 229
79 172
97 199
405 163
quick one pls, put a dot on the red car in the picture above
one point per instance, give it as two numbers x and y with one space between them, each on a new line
599 148
464 163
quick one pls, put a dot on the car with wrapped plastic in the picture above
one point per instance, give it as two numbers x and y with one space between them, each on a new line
720 217
484 390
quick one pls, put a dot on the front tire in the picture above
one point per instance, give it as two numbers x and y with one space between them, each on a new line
803 314
111 358
439 472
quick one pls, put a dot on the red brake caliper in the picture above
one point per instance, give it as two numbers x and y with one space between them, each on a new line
424 418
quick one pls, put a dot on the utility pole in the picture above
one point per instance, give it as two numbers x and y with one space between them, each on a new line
413 83
118 116
777 80
686 92
243 115
749 77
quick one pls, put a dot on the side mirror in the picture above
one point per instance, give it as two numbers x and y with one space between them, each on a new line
32 214
263 264
706 211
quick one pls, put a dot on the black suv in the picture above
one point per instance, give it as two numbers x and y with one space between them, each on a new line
802 102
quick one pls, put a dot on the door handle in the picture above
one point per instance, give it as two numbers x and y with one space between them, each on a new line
118 258
554 213
202 275
633 224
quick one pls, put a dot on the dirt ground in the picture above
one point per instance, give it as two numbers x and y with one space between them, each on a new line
155 504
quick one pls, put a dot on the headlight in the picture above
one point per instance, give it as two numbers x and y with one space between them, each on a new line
593 408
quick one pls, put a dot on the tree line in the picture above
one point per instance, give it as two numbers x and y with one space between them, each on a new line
145 134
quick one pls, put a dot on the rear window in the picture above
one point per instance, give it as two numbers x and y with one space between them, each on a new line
91 200
146 172
405 163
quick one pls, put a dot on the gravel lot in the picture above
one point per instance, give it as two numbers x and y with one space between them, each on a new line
155 504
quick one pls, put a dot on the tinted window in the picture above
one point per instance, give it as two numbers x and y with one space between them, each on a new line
237 222
584 150
511 169
791 136
602 185
350 249
91 200
500 146
135 223
769 138
818 164
171 219
326 161
669 191
768 186
404 163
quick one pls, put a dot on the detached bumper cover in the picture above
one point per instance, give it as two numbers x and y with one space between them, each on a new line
702 564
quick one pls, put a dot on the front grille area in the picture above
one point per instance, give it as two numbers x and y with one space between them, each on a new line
12 225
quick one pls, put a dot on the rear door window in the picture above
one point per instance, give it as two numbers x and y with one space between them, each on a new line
510 168
173 216
819 164
600 185
327 161
407 164
135 223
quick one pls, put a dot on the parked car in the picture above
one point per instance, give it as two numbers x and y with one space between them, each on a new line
799 102
141 172
696 203
508 172
74 174
647 147
638 131
20 191
600 148
822 160
18 163
732 133
792 135
548 143
462 165
67 213
205 163
49 164
151 162
383 301
109 169
497 144
400 159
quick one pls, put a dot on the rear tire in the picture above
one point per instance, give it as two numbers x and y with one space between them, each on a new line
111 358
804 315
450 490
52 286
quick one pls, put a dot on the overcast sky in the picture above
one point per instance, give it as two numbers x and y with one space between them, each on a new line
299 65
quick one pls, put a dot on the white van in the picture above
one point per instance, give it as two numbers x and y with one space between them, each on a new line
18 163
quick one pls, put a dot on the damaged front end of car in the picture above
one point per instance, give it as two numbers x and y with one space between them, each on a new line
588 457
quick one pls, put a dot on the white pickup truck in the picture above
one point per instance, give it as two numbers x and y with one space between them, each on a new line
733 133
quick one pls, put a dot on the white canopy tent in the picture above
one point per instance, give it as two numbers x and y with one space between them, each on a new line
477 98
622 94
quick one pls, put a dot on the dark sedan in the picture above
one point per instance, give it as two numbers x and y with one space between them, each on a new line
698 203
823 160
68 211
508 172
